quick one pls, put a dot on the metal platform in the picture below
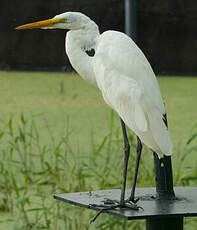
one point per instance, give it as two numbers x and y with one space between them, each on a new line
184 205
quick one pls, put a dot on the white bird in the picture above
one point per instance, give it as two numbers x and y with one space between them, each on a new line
127 82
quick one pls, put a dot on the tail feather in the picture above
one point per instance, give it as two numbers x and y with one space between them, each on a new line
158 126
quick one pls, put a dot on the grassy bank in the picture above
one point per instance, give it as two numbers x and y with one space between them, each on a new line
57 135
57 96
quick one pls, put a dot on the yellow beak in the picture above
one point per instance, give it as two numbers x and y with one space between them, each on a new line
40 24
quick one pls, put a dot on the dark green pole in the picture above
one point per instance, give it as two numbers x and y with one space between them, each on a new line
131 18
163 168
168 223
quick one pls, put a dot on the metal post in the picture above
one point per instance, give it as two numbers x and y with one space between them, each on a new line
163 177
164 191
171 223
131 18
163 167
163 174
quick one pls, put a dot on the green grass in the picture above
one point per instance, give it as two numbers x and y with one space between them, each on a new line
58 135
40 95
57 96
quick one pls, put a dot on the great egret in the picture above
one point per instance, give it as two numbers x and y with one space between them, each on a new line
127 82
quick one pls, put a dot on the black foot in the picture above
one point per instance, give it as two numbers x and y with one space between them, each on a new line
113 204
133 200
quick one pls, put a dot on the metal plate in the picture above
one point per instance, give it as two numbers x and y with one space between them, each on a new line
185 205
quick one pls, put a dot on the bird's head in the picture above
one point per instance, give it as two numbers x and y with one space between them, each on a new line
68 20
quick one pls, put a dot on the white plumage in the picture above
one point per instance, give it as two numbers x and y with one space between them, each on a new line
129 85
126 80
121 72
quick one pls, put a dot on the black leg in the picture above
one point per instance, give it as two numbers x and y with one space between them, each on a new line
113 204
126 158
139 150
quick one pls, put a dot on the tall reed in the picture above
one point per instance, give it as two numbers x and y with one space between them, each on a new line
31 171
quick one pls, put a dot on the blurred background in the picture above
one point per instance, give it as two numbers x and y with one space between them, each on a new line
166 32
57 134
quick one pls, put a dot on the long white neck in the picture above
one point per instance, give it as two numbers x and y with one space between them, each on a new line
77 43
